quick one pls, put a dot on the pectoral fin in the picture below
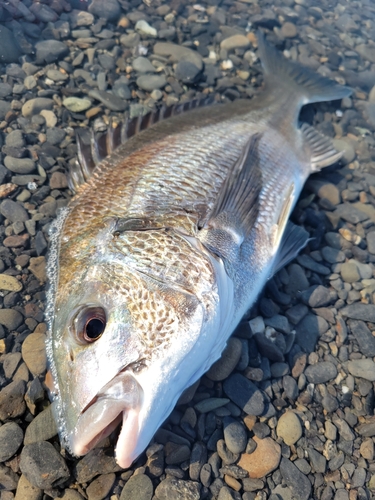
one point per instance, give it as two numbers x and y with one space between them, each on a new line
236 209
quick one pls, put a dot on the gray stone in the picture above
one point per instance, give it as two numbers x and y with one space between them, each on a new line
345 146
8 480
178 53
143 65
309 263
370 238
10 318
10 51
235 42
364 312
349 272
364 368
295 480
96 462
333 255
48 51
15 139
143 28
109 100
12 403
35 106
138 487
13 211
317 460
11 437
317 296
350 213
224 366
43 466
151 82
42 428
309 330
234 435
198 458
105 9
177 489
187 72
244 394
365 339
4 106
321 372
19 165
290 387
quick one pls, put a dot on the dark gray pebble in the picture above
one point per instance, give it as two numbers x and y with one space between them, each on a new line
234 435
337 461
105 9
365 312
96 462
365 339
12 403
290 387
279 369
177 489
8 480
261 430
244 394
109 100
43 466
317 296
11 437
268 348
317 460
309 330
151 82
187 72
309 263
48 51
295 480
321 372
198 458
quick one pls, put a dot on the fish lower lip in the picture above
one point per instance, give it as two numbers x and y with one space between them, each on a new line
120 400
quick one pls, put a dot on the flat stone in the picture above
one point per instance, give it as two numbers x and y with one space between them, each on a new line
48 51
264 459
178 489
295 480
16 241
244 394
35 106
321 372
109 100
27 491
349 272
332 255
187 72
309 330
13 211
106 9
9 48
210 404
364 312
365 339
178 53
143 65
235 42
10 283
38 267
345 147
19 165
96 462
138 487
364 368
42 465
42 428
143 28
10 318
11 437
34 353
289 428
224 366
350 213
77 104
309 263
317 460
12 404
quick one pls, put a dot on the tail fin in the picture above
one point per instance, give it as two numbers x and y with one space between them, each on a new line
307 84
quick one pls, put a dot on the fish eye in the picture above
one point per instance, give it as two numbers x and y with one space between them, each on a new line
90 324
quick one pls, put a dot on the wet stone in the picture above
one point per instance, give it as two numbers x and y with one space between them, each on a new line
370 238
76 104
244 394
235 42
187 72
318 296
268 348
198 458
321 372
222 368
143 65
177 489
365 339
234 435
364 368
43 466
11 437
289 428
333 255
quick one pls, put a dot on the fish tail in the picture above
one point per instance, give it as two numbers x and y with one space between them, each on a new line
307 85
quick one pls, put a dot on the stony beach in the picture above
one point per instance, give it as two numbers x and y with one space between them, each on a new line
288 411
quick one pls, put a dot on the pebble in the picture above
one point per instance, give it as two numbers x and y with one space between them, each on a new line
289 30
96 462
321 372
10 318
235 42
365 339
10 283
100 488
210 404
308 331
295 480
318 296
349 272
178 489
9 49
244 394
12 404
38 267
19 165
42 465
143 28
187 72
48 51
138 487
364 368
27 491
77 104
151 82
50 117
264 459
11 437
370 238
143 65
289 428
364 312
105 9
234 435
41 428
13 211
8 480
222 368
178 53
109 100
317 460
35 106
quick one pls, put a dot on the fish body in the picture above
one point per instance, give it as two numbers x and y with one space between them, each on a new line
165 247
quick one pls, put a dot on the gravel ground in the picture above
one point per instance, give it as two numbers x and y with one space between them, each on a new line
287 413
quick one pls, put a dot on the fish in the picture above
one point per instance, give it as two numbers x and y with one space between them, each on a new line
178 220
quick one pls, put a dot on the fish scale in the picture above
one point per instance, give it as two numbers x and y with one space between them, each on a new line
166 244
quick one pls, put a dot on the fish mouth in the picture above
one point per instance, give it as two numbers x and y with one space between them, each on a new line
119 401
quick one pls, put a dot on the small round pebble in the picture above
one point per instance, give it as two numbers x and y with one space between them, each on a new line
234 435
289 428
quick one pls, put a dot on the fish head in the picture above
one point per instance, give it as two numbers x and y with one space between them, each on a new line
123 346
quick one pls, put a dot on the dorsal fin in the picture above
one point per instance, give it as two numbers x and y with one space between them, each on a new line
89 156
